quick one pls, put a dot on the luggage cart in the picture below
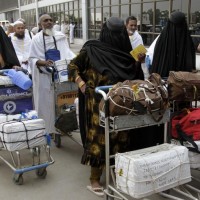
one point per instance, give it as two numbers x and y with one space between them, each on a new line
14 100
127 122
65 94
37 158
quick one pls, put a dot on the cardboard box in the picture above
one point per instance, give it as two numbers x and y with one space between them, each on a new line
23 135
193 157
14 100
151 170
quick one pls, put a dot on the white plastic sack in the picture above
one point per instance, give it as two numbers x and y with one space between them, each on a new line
193 157
22 135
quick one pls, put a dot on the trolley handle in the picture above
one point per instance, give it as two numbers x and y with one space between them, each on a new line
101 90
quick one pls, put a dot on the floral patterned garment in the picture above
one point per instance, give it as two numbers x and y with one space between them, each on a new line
94 152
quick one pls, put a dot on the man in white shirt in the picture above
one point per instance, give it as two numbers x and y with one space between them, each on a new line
22 44
65 27
43 87
71 32
135 37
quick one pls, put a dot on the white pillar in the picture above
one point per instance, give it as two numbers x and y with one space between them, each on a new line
19 6
36 12
85 20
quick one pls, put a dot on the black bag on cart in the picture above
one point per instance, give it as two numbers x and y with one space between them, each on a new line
67 121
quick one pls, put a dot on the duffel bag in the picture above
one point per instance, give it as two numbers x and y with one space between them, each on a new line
185 126
183 86
67 121
138 97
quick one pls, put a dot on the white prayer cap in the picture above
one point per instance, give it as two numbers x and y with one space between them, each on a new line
17 22
35 30
21 20
56 22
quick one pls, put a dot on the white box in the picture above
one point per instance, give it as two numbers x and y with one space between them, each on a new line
29 115
22 135
151 170
193 157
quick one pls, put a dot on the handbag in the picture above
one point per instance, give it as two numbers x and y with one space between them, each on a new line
67 121
185 126
183 86
51 54
138 97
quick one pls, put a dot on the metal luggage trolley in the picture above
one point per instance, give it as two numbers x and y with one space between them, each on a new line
65 94
127 122
14 100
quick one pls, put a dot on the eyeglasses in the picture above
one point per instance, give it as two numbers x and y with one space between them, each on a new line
46 20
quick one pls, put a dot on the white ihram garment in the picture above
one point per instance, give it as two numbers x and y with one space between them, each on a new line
135 39
43 88
22 48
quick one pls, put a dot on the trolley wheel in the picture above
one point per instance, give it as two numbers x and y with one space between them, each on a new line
57 140
18 179
41 173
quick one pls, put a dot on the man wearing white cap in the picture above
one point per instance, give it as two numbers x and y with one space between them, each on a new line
22 44
27 32
47 40
57 27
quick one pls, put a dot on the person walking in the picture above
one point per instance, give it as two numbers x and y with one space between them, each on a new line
47 40
173 49
101 62
71 32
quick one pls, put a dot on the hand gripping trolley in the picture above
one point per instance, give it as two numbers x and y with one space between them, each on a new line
127 122
24 143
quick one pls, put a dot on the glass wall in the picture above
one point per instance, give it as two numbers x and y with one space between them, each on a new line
30 18
152 15
70 12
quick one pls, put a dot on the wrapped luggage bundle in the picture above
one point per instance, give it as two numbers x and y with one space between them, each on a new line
138 97
183 86
151 170
18 135
194 157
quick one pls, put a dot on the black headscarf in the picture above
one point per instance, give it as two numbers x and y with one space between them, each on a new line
174 49
110 55
7 51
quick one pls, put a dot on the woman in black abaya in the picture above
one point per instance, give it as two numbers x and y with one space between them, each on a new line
8 57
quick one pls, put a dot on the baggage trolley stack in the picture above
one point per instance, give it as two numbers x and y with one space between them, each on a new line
65 110
24 143
114 188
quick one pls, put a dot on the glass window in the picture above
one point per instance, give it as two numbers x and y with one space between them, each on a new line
71 5
98 3
114 2
114 11
106 3
91 3
106 13
124 12
181 5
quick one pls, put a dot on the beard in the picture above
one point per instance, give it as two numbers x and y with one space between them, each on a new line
49 32
19 36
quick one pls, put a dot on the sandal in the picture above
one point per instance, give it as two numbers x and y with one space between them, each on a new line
97 190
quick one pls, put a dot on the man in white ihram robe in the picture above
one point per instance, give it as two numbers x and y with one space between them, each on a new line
43 88
21 43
